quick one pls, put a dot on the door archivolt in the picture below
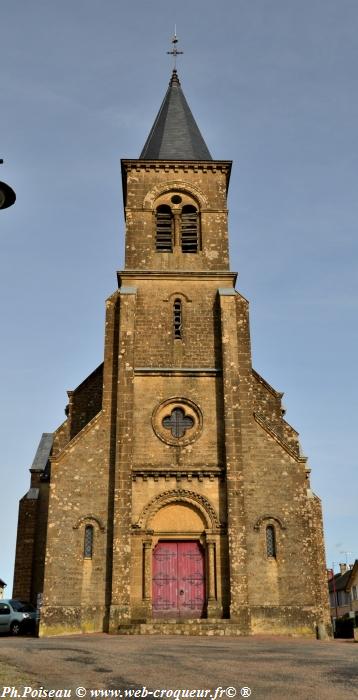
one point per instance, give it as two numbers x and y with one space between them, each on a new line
196 510
180 534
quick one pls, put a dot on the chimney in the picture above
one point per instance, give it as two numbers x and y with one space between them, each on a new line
343 568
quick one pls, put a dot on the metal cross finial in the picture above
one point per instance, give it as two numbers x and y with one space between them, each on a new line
174 52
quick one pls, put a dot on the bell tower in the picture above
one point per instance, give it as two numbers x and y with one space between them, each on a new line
176 259
175 195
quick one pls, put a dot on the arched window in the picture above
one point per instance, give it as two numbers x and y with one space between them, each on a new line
164 229
177 319
88 542
270 541
189 229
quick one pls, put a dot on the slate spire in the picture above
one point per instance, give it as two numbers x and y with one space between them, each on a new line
175 134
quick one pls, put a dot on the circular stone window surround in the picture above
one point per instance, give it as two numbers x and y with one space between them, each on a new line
165 409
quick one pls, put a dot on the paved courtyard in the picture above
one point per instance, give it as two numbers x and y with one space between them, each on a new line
277 668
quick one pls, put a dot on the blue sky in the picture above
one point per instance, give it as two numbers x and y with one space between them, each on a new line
273 86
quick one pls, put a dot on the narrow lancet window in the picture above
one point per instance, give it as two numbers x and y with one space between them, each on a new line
189 229
270 541
177 319
88 543
164 229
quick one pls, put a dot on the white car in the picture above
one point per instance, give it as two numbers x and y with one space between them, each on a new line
16 616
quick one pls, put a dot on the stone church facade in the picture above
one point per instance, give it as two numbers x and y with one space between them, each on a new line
174 496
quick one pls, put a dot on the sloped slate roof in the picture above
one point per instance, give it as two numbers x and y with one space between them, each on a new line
175 134
43 452
343 581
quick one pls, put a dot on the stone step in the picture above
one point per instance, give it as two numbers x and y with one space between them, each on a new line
189 627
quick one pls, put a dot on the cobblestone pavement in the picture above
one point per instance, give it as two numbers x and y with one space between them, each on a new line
273 668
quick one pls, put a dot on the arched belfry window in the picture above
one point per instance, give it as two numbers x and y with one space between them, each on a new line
189 229
88 542
177 319
270 541
164 229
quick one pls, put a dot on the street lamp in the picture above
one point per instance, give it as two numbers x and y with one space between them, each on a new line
7 194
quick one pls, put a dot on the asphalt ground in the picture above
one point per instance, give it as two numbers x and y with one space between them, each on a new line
271 667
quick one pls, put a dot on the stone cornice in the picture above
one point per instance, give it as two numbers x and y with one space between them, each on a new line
69 445
198 467
261 380
290 427
178 474
177 165
178 371
192 275
278 439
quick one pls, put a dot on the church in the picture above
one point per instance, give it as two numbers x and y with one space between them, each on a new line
174 497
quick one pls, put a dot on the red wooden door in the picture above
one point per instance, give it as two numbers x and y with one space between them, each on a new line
178 580
165 580
191 579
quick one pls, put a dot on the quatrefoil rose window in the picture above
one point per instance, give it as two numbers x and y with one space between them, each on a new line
177 421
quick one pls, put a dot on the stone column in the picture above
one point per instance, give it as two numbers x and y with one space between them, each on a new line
211 578
210 548
147 575
176 230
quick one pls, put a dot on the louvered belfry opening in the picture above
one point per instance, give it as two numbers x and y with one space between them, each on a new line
189 229
164 229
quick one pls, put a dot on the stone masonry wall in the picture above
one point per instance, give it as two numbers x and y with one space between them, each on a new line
85 401
78 496
40 542
206 393
268 405
207 184
25 546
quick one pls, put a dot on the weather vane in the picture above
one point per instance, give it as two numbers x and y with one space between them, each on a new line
174 52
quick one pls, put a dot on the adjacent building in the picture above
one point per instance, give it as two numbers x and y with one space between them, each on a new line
343 590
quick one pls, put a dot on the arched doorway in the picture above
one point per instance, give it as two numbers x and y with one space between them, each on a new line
181 539
178 579
178 567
